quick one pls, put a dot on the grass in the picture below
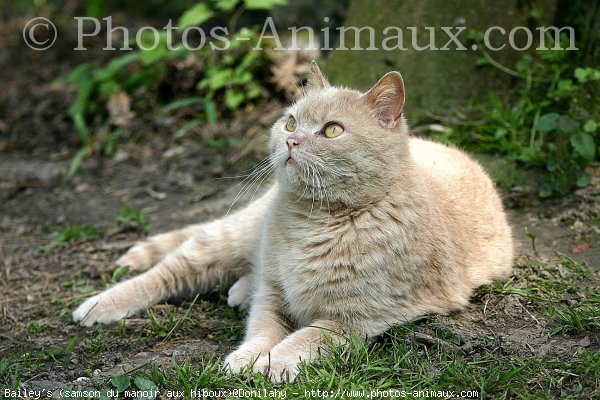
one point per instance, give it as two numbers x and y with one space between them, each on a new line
576 319
73 233
134 217
426 357
390 367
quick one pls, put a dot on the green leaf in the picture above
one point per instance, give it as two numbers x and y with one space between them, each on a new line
590 126
210 111
187 101
195 16
545 190
76 161
220 79
185 128
547 122
233 99
567 125
481 61
581 74
119 273
147 384
120 382
530 234
583 143
583 180
226 5
536 13
566 85
552 165
263 4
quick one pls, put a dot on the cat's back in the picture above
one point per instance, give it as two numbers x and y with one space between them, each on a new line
452 172
469 204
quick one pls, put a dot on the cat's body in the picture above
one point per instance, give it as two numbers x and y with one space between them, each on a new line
362 230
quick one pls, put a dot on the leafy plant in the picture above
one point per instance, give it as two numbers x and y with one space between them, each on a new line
128 216
228 81
74 232
547 123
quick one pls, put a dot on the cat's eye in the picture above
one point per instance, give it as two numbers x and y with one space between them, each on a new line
333 130
290 125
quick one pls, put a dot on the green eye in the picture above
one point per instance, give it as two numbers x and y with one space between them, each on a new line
290 125
333 130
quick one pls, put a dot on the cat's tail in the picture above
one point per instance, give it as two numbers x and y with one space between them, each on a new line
204 255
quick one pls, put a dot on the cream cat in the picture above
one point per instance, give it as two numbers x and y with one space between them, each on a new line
364 228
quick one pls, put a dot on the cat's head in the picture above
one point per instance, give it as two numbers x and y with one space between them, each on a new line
338 145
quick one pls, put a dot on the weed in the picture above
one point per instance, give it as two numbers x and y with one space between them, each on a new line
128 216
73 233
34 329
116 276
229 79
575 319
160 326
545 124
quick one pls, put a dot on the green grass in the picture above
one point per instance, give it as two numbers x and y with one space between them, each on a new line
546 286
395 363
129 216
74 232
576 319
427 356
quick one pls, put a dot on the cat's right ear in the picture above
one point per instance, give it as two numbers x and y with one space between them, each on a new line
386 99
316 79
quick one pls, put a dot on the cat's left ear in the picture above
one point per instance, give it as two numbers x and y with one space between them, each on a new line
386 99
316 79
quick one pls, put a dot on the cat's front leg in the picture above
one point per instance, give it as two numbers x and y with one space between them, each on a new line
195 266
304 345
266 327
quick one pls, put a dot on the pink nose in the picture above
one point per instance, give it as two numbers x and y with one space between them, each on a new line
291 142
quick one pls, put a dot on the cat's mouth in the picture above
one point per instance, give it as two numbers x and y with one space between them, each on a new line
290 161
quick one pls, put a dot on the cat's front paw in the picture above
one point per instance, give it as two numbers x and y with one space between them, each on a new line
240 293
278 368
245 356
102 308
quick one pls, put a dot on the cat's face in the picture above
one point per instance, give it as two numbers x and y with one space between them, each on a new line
336 145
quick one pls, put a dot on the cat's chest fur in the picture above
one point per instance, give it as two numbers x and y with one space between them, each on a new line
350 265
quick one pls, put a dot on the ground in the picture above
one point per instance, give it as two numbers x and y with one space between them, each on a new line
537 334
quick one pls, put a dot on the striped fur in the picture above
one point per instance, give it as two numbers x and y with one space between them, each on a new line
358 233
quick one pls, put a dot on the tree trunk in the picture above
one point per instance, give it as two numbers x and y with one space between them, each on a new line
435 79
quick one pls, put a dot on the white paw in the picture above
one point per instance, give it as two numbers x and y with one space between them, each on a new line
102 308
246 355
239 360
240 294
277 368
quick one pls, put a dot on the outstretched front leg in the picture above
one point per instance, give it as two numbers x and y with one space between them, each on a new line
218 251
194 266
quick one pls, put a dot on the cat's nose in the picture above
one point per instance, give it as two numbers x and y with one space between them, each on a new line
291 142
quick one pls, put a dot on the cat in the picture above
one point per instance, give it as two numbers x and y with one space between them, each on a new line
364 227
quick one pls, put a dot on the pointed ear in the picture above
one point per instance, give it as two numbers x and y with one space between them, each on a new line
386 99
316 79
